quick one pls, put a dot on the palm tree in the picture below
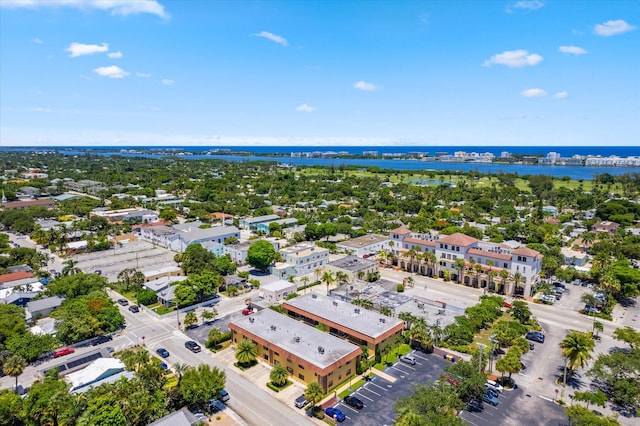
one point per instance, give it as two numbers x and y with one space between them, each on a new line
314 393
492 276
410 281
190 319
179 369
125 278
432 260
446 274
305 281
246 352
328 278
517 279
588 238
576 349
214 337
137 278
386 311
14 366
342 277
70 268
209 314
459 266
318 272
504 275
411 254
509 363
279 375
478 270
598 327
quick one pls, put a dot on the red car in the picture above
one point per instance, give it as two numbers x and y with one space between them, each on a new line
247 311
63 352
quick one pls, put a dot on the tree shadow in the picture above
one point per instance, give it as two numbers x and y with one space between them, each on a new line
627 302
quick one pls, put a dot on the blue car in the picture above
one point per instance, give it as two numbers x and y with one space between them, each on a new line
335 413
490 399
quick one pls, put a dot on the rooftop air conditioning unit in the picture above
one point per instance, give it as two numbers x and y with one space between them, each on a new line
356 310
314 296
297 339
273 328
382 320
335 303
320 349
251 320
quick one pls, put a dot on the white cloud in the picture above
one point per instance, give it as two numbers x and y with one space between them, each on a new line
533 93
524 4
79 49
575 50
610 28
115 55
36 41
305 108
143 75
116 7
367 87
514 59
272 37
561 95
168 82
111 72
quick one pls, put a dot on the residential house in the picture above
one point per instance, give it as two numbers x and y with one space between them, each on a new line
42 308
300 259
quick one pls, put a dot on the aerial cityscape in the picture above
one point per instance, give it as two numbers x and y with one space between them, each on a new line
274 212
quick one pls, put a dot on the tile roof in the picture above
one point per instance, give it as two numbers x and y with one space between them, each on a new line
400 230
489 254
14 276
419 241
524 251
458 239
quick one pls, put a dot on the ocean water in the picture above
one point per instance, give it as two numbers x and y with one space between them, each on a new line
262 153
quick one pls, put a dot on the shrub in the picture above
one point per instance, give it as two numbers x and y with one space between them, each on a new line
400 288
146 297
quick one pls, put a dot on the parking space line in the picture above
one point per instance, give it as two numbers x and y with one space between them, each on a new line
373 384
365 397
348 407
367 389
400 369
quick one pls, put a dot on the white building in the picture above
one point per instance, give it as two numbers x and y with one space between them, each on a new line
521 262
365 245
276 291
98 370
300 259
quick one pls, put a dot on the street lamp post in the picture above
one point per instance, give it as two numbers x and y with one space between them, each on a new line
482 346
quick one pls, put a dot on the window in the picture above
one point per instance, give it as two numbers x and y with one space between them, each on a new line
457 248
276 354
300 376
330 384
289 361
265 348
300 367
348 372
290 370
266 356
504 265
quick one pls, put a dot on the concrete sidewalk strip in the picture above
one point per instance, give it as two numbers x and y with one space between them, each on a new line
384 375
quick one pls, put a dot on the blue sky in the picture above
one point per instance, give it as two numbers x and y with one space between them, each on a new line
216 72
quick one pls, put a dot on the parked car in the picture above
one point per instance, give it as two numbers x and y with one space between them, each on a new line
223 395
487 397
134 308
247 311
63 352
353 402
492 384
409 359
301 402
101 339
98 272
536 336
590 309
192 346
162 352
215 405
492 392
123 302
335 413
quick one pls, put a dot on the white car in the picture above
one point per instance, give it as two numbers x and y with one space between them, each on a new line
492 384
409 359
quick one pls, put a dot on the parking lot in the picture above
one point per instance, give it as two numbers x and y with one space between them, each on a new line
139 255
380 395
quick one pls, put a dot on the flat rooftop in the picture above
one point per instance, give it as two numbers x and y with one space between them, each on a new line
347 315
364 241
353 263
283 332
